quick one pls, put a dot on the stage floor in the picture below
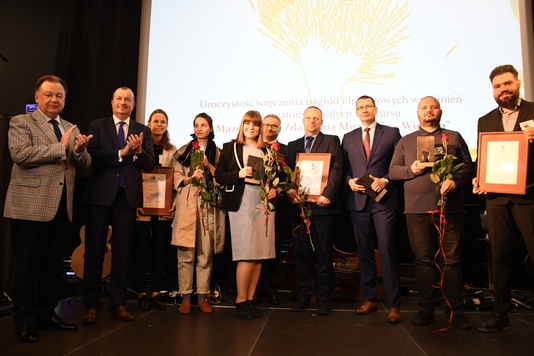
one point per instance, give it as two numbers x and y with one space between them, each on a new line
278 332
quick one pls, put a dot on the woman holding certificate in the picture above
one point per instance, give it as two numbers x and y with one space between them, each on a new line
153 233
198 229
252 229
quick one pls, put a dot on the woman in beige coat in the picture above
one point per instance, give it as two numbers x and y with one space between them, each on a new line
198 229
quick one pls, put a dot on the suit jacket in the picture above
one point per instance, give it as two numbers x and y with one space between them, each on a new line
492 122
41 168
323 144
227 174
384 142
106 168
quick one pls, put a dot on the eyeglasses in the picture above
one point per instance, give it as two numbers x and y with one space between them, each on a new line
366 107
273 126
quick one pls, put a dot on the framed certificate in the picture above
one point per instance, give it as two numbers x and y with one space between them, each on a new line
502 162
157 191
312 174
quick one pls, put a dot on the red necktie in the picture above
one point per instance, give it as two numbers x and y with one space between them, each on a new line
367 143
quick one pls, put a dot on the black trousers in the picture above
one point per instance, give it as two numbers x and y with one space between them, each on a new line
39 250
121 217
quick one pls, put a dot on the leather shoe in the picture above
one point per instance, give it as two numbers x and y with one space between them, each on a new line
143 303
253 310
324 308
460 321
243 310
394 316
157 303
205 306
300 305
55 323
422 318
185 307
497 322
91 317
122 314
366 308
26 333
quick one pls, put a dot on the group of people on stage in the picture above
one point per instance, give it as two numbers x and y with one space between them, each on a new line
210 183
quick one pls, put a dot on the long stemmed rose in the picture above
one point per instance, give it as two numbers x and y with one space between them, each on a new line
197 157
443 169
305 211
273 167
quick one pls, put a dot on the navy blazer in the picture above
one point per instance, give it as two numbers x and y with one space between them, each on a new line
106 168
322 144
384 142
492 122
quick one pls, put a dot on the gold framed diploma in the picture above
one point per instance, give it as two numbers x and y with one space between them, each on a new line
157 191
312 174
502 162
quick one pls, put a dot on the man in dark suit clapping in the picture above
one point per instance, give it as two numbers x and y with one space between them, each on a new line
120 149
323 215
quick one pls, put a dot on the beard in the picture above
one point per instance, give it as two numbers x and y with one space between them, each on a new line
510 102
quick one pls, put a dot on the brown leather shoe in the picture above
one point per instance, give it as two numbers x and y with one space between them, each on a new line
394 316
366 308
122 314
91 317
185 308
205 306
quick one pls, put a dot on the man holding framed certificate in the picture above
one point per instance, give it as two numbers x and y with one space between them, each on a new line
508 213
324 210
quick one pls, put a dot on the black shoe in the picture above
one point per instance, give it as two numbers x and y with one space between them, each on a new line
324 308
55 323
495 323
253 310
460 321
157 303
143 303
422 318
243 310
300 305
27 333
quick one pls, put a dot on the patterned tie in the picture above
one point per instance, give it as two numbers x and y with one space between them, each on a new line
55 124
120 136
367 143
309 141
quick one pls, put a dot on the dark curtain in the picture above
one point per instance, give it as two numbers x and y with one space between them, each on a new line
97 52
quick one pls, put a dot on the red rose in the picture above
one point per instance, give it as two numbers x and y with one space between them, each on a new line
275 146
445 138
283 164
195 145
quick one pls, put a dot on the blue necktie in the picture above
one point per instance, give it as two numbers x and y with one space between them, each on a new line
55 124
122 143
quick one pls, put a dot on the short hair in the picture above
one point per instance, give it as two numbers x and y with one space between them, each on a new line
506 68
255 118
366 97
165 140
123 88
314 107
210 123
427 97
273 116
50 78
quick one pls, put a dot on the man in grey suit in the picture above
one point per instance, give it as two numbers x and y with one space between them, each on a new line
47 152
369 149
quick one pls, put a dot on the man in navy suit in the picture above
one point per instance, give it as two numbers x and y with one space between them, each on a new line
324 212
120 149
509 215
369 149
